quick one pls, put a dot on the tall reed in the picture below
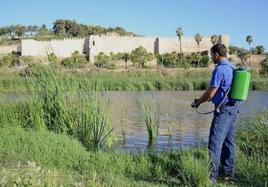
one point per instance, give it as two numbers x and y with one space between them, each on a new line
93 123
150 116
48 106
54 106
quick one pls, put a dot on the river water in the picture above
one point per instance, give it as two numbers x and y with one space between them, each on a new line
179 125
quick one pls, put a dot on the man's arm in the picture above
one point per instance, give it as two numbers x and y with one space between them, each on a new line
209 93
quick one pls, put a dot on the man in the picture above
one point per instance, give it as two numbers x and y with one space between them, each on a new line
221 143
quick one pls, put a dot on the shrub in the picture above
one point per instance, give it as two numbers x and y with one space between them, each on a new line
204 61
102 60
9 59
196 59
264 68
67 62
52 58
168 59
75 60
117 56
233 50
27 59
141 56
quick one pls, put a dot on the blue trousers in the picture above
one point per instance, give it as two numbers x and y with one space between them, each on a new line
221 143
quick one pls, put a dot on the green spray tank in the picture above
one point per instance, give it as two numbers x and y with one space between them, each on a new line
240 85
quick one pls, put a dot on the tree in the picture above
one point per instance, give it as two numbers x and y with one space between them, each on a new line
198 38
11 30
126 58
120 31
243 55
71 28
29 30
3 31
260 49
249 40
20 30
59 27
35 29
214 39
141 56
232 50
43 30
179 33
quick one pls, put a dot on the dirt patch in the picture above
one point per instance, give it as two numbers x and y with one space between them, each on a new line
8 49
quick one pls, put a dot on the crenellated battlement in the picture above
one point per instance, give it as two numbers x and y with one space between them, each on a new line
125 37
60 40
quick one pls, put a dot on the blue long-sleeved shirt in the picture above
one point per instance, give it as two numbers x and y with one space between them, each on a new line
222 77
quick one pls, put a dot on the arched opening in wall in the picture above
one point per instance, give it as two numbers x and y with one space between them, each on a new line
93 43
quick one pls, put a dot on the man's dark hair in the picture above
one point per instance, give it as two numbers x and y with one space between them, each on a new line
220 49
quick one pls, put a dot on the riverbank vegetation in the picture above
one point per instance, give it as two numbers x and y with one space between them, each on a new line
38 157
15 80
62 134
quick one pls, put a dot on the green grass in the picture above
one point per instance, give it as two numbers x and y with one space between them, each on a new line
63 153
134 80
29 174
187 167
252 141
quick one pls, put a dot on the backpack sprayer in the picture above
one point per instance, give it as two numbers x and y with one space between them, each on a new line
239 89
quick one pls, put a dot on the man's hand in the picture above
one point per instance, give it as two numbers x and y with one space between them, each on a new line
195 104
209 93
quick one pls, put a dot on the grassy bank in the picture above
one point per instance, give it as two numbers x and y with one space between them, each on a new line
132 80
68 159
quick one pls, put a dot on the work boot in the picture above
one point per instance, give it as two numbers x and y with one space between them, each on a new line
229 179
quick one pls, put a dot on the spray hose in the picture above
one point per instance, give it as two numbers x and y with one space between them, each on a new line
217 109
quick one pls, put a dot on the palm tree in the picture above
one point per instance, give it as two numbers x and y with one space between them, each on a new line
35 29
126 57
249 40
198 38
214 39
179 33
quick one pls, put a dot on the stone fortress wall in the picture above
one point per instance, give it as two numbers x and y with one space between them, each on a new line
61 48
95 44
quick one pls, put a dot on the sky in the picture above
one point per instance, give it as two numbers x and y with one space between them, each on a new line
236 18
